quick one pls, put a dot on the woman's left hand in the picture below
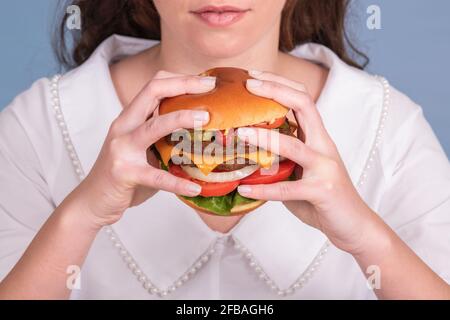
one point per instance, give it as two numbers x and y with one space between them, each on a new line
324 197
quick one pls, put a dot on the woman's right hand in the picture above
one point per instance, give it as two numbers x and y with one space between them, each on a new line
122 176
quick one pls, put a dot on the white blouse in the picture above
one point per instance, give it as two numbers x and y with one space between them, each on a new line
50 137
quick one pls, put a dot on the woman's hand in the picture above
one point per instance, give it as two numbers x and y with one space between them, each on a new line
325 197
122 176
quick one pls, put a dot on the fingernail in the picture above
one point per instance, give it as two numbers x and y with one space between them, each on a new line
194 189
253 83
245 132
255 73
208 81
202 116
244 190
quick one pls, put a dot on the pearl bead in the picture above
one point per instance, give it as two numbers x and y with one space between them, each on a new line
381 126
142 279
154 290
147 285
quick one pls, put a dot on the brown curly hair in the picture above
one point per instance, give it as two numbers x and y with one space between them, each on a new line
318 21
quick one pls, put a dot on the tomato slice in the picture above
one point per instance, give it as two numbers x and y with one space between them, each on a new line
285 169
276 124
216 189
209 189
213 189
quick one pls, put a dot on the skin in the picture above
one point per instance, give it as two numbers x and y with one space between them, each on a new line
325 197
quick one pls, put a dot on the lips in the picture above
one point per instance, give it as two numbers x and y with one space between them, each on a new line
220 16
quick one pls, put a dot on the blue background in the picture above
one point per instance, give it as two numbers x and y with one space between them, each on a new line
412 50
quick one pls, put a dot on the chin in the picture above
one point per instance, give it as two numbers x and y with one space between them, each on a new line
221 46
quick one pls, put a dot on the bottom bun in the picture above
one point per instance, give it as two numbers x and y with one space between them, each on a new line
235 211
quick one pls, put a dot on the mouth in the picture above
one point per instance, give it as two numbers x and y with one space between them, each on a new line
223 16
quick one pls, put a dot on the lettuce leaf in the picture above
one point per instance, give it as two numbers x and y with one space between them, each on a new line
240 200
219 205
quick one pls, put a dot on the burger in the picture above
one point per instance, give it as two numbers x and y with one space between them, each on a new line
213 156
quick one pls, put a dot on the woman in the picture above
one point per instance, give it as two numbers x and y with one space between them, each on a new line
373 198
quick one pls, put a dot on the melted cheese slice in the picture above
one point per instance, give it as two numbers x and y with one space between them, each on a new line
207 163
